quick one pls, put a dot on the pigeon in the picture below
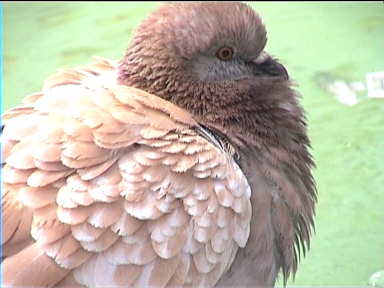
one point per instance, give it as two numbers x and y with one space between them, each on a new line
184 164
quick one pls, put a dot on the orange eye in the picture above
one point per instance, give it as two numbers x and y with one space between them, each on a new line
225 53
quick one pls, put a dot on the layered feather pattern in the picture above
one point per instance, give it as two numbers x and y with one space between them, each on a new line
107 185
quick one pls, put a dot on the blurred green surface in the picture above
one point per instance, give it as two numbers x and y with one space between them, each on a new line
342 39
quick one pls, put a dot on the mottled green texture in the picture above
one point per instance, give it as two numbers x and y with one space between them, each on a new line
345 40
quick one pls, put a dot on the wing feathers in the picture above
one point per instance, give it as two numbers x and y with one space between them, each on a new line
33 268
122 189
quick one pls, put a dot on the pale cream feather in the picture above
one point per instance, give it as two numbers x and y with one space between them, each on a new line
123 191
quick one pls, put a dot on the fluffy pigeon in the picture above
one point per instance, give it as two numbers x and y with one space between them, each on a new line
185 164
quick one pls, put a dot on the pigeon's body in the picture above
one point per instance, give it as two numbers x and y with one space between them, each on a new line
208 185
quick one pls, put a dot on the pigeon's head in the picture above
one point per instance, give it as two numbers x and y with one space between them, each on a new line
209 41
209 58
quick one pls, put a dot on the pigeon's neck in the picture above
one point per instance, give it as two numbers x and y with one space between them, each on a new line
251 115
150 71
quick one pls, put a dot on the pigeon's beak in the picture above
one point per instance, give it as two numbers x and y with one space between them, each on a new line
266 65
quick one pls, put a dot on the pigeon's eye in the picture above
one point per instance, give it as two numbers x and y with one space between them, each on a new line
225 53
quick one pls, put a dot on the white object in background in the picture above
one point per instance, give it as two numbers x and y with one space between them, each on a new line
377 279
375 84
357 86
343 92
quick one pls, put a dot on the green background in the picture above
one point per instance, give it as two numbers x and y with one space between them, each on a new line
341 40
